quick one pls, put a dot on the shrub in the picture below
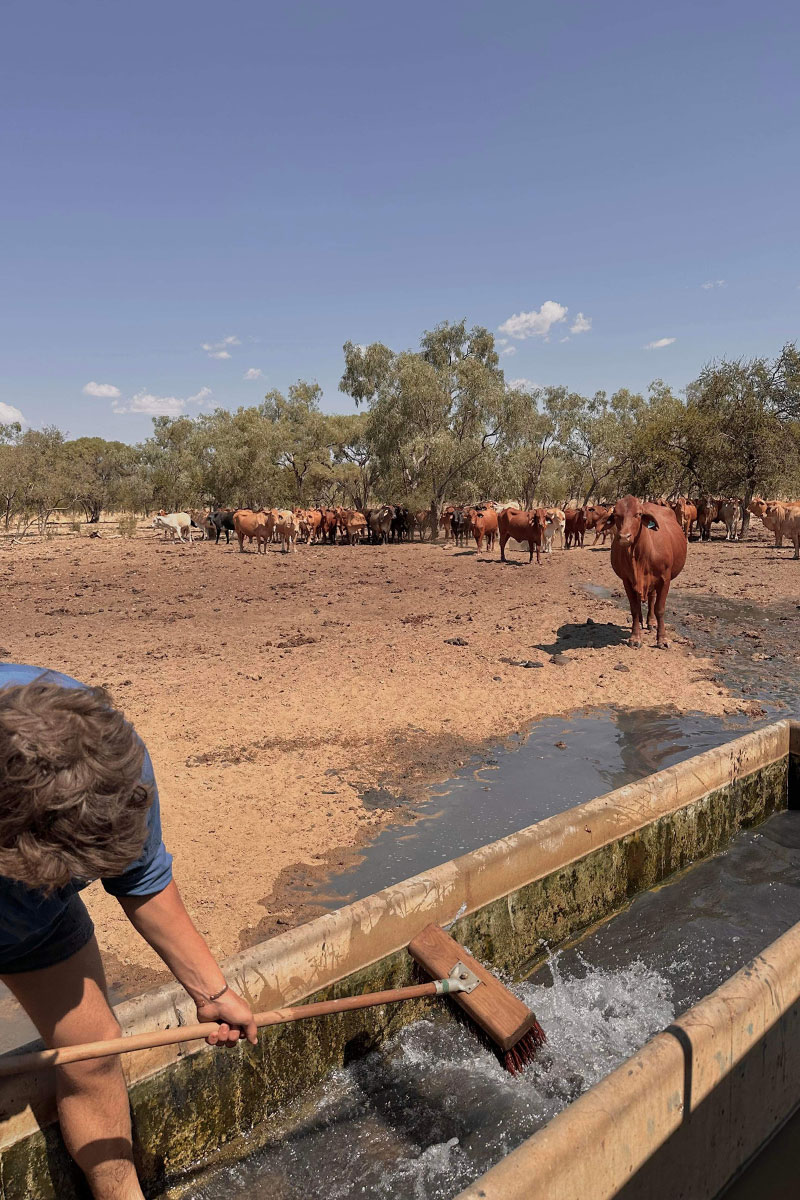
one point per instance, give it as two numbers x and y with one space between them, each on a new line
127 525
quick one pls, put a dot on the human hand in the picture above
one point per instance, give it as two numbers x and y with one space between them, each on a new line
235 1018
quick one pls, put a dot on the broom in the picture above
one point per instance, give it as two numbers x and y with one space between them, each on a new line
510 1026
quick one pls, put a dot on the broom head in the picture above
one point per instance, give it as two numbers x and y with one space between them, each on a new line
505 1020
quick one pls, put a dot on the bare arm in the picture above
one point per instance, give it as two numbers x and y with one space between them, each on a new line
165 924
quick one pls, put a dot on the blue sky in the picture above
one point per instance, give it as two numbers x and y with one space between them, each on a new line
291 176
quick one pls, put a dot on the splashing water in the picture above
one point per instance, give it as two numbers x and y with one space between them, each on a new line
432 1109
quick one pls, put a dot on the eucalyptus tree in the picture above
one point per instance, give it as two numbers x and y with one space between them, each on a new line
746 410
434 413
94 470
302 438
541 420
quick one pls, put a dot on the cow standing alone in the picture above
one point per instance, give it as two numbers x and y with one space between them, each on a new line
648 551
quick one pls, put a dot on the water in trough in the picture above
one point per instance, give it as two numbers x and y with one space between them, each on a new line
431 1110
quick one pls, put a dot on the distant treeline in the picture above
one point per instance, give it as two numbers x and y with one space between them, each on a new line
436 425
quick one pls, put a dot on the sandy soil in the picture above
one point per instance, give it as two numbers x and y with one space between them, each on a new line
274 691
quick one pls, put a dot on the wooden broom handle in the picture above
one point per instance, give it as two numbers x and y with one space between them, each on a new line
14 1064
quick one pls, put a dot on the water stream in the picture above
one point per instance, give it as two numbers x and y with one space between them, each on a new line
432 1109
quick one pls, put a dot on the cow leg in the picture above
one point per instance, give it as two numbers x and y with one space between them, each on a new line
538 555
661 603
503 541
651 602
635 639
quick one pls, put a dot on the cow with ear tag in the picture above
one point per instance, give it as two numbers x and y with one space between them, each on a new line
647 552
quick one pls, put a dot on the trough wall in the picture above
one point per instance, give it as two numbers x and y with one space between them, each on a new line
509 901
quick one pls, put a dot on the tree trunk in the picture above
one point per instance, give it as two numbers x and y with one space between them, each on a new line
749 492
435 509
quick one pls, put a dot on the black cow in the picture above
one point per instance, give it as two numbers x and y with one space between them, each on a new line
401 524
221 519
460 525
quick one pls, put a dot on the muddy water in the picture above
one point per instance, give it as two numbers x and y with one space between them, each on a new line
432 1110
560 763
563 762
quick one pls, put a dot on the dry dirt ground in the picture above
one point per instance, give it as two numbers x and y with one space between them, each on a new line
274 690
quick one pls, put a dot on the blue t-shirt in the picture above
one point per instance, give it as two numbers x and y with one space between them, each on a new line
26 912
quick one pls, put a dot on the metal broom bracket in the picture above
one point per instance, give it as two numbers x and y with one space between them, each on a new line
460 979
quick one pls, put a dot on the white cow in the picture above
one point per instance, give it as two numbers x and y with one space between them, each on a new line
555 520
174 524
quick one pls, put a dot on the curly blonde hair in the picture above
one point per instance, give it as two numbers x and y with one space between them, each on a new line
72 803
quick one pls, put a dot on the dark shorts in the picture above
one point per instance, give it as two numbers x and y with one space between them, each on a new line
69 934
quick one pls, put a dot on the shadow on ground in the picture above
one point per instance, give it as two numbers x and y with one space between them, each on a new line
585 637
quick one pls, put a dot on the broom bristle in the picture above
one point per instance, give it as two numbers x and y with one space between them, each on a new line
523 1052
498 1014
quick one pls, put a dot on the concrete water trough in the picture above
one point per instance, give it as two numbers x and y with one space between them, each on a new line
679 1118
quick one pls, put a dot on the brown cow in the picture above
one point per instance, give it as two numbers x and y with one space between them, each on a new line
422 521
251 524
596 519
356 527
785 520
648 551
767 511
484 524
310 520
707 514
522 527
286 526
574 527
327 525
686 512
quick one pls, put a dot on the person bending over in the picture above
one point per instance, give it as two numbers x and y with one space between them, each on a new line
78 802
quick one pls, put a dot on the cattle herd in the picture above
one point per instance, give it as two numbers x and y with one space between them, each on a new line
649 541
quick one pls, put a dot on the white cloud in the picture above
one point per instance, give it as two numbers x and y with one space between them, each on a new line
253 373
712 283
527 385
501 341
509 350
581 324
564 339
103 391
162 406
199 397
536 323
658 345
9 414
220 349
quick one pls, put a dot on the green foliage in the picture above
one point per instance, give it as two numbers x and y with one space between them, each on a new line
126 526
435 425
435 415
